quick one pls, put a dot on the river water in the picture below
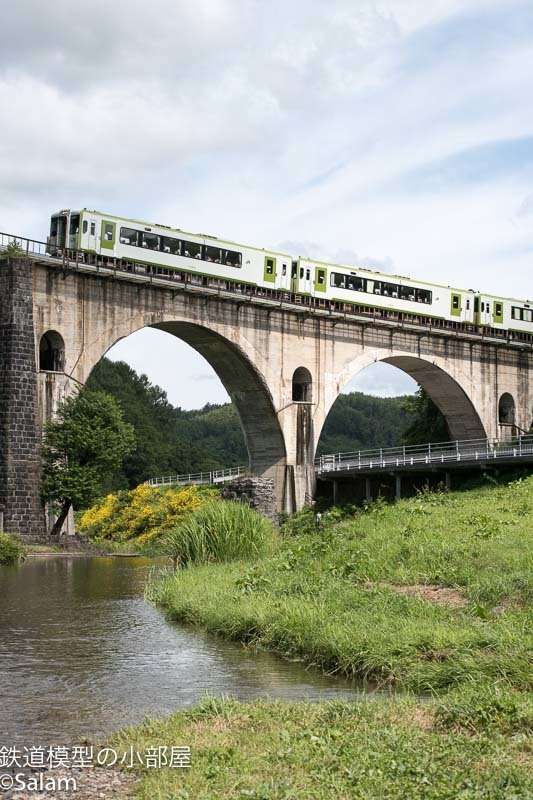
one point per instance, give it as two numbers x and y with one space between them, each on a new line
83 654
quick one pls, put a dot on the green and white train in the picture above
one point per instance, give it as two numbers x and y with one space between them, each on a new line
160 250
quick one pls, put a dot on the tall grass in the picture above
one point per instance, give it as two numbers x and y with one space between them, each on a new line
11 549
220 531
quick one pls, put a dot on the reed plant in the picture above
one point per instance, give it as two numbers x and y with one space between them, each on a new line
220 531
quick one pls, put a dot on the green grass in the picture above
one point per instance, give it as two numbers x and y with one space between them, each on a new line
336 599
431 595
219 531
11 549
383 750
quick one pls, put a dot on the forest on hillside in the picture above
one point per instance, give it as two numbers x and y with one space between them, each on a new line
170 440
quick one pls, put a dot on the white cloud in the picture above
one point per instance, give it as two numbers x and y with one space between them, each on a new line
303 123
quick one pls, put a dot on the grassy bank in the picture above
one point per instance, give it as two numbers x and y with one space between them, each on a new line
341 751
431 595
427 594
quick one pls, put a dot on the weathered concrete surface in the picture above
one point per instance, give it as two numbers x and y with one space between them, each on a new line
19 428
256 350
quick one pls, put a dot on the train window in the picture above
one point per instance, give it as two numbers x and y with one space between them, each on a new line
74 224
93 228
191 249
307 274
488 308
301 272
527 315
468 304
294 271
171 246
515 312
338 280
150 241
284 269
85 226
129 236
321 276
377 287
476 304
231 258
389 289
498 309
355 283
269 266
407 293
482 306
213 254
425 296
455 302
108 232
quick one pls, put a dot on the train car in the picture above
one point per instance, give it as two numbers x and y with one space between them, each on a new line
164 250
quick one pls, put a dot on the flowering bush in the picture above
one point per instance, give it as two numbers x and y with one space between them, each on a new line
143 514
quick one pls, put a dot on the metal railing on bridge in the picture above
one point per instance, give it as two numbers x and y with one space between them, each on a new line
214 476
28 246
465 451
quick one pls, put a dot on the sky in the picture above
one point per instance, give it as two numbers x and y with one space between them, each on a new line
393 134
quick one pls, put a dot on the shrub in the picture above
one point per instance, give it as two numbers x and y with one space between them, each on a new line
143 514
220 531
11 549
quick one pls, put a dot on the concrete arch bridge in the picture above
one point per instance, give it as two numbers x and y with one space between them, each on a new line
282 365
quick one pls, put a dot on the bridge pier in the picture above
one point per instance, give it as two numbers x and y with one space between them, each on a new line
20 502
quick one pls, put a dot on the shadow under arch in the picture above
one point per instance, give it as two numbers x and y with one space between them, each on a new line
461 417
247 389
451 399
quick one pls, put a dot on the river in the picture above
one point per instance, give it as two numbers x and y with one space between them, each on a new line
83 654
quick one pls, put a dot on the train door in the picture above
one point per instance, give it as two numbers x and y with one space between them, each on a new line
285 275
456 308
320 280
269 272
92 243
485 311
294 277
305 279
107 236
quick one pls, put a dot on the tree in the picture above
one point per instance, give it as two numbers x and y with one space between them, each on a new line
428 425
82 447
13 250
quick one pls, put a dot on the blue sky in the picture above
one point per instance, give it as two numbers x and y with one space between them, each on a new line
392 133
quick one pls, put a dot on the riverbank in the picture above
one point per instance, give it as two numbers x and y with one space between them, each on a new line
397 749
431 595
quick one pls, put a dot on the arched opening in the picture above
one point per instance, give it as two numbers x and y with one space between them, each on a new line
52 352
249 425
507 410
302 386
383 403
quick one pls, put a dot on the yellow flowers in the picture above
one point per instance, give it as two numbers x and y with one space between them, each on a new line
143 513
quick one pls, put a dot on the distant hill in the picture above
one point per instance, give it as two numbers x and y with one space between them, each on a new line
171 440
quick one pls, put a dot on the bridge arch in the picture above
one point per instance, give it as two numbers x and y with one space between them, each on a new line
243 382
448 391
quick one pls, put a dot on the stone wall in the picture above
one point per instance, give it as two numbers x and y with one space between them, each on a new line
258 493
19 426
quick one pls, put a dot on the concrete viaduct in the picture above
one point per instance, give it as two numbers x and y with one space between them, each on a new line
283 366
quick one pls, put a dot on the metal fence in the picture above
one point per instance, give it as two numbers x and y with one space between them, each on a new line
27 246
468 450
214 476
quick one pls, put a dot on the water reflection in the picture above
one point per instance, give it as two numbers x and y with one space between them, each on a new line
82 653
